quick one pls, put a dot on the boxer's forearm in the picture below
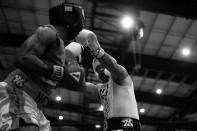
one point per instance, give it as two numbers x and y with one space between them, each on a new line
117 71
34 65
89 39
32 57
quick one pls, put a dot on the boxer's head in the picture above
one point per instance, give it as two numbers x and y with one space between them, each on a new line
101 72
69 16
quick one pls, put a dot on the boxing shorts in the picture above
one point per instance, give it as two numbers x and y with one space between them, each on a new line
19 99
123 124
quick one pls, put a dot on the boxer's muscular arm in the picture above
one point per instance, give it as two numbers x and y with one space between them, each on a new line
118 72
89 38
90 90
69 82
33 49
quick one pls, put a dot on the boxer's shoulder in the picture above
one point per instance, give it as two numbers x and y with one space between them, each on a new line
46 34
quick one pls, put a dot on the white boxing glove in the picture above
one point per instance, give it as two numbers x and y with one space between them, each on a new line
89 39
76 49
83 37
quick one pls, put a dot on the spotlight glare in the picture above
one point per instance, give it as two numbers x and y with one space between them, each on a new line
159 91
186 51
58 98
141 33
127 22
98 126
142 110
100 108
61 117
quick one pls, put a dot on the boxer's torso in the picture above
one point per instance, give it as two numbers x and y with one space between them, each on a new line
118 100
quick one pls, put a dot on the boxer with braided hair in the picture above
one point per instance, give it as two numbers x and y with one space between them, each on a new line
40 65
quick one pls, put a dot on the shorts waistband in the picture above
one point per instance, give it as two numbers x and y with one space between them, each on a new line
123 123
20 80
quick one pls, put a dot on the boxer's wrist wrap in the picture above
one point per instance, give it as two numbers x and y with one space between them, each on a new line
98 53
57 73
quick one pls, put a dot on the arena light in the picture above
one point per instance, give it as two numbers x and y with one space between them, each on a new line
159 91
101 108
186 51
61 117
141 33
140 29
127 22
58 98
142 110
98 126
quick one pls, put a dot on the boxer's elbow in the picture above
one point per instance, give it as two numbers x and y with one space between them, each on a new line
32 64
119 74
23 63
20 62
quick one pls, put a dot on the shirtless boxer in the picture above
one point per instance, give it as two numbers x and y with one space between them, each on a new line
40 66
117 93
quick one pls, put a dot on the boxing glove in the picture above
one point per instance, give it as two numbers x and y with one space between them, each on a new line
58 71
76 49
89 39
